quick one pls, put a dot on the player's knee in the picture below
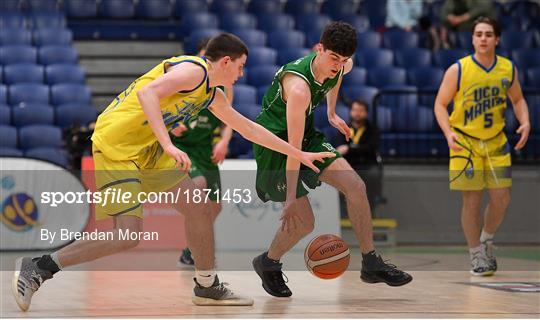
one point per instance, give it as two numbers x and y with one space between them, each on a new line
125 244
501 200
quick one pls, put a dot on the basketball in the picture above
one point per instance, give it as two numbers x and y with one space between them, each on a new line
327 256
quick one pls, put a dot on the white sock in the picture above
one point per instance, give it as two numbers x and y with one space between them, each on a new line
205 278
54 257
474 251
484 236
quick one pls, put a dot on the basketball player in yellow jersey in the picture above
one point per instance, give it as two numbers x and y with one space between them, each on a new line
479 151
133 152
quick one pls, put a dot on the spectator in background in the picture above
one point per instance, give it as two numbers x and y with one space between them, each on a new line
362 150
459 16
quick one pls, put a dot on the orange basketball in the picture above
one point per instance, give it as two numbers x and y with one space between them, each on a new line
327 256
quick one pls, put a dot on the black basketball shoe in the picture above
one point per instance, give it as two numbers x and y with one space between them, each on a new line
379 271
272 277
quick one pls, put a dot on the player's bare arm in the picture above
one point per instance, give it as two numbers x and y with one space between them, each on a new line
331 101
257 134
184 76
521 110
445 95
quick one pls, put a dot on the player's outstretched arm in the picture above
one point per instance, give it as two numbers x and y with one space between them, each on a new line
447 90
331 101
521 110
259 135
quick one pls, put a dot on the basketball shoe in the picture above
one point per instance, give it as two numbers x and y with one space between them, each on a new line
186 258
217 295
27 279
480 264
376 270
487 247
271 275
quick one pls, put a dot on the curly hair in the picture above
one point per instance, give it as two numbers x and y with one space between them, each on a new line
339 37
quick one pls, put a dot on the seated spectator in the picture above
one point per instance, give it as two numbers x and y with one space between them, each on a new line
459 16
403 14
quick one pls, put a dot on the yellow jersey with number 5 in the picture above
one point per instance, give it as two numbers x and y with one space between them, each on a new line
480 101
122 131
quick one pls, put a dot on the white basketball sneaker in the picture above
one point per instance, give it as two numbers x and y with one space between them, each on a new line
27 279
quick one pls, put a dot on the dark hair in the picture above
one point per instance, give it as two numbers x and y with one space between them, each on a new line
202 44
360 102
225 44
487 20
339 37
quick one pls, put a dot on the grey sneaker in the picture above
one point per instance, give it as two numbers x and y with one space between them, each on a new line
488 247
217 295
27 279
480 265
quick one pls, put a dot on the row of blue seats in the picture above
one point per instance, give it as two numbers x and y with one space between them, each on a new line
56 95
31 136
38 37
62 116
45 55
33 73
57 156
36 20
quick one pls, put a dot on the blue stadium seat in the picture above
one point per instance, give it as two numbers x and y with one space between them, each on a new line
312 22
533 78
376 11
299 7
414 119
9 136
366 93
28 93
64 73
24 115
10 6
384 119
464 41
251 37
261 75
249 110
425 77
40 135
68 93
17 54
321 117
286 39
12 20
185 8
3 94
275 21
117 9
338 9
10 152
356 77
23 73
244 94
240 147
312 38
48 37
259 56
398 39
43 5
40 20
75 114
227 6
395 96
261 91
237 21
511 40
57 54
15 36
5 115
412 58
512 23
261 7
196 36
199 21
445 58
511 123
331 134
81 9
55 155
290 54
154 9
369 40
370 58
359 22
526 58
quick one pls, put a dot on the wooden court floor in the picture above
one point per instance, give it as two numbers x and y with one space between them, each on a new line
434 292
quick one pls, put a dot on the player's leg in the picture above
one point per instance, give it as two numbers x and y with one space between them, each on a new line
471 220
267 265
340 175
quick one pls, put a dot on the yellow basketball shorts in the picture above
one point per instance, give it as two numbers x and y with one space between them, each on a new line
481 164
123 185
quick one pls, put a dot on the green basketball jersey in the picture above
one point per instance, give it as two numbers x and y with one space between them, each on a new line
273 114
200 131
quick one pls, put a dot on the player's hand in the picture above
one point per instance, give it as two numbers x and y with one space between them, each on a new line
182 160
178 130
524 131
340 124
289 217
220 152
451 138
307 158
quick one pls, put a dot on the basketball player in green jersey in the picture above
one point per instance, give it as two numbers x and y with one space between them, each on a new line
287 111
196 139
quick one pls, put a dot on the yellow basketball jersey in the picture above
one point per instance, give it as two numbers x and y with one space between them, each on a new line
122 131
480 100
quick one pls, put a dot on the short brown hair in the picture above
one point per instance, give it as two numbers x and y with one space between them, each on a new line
339 37
225 44
487 20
